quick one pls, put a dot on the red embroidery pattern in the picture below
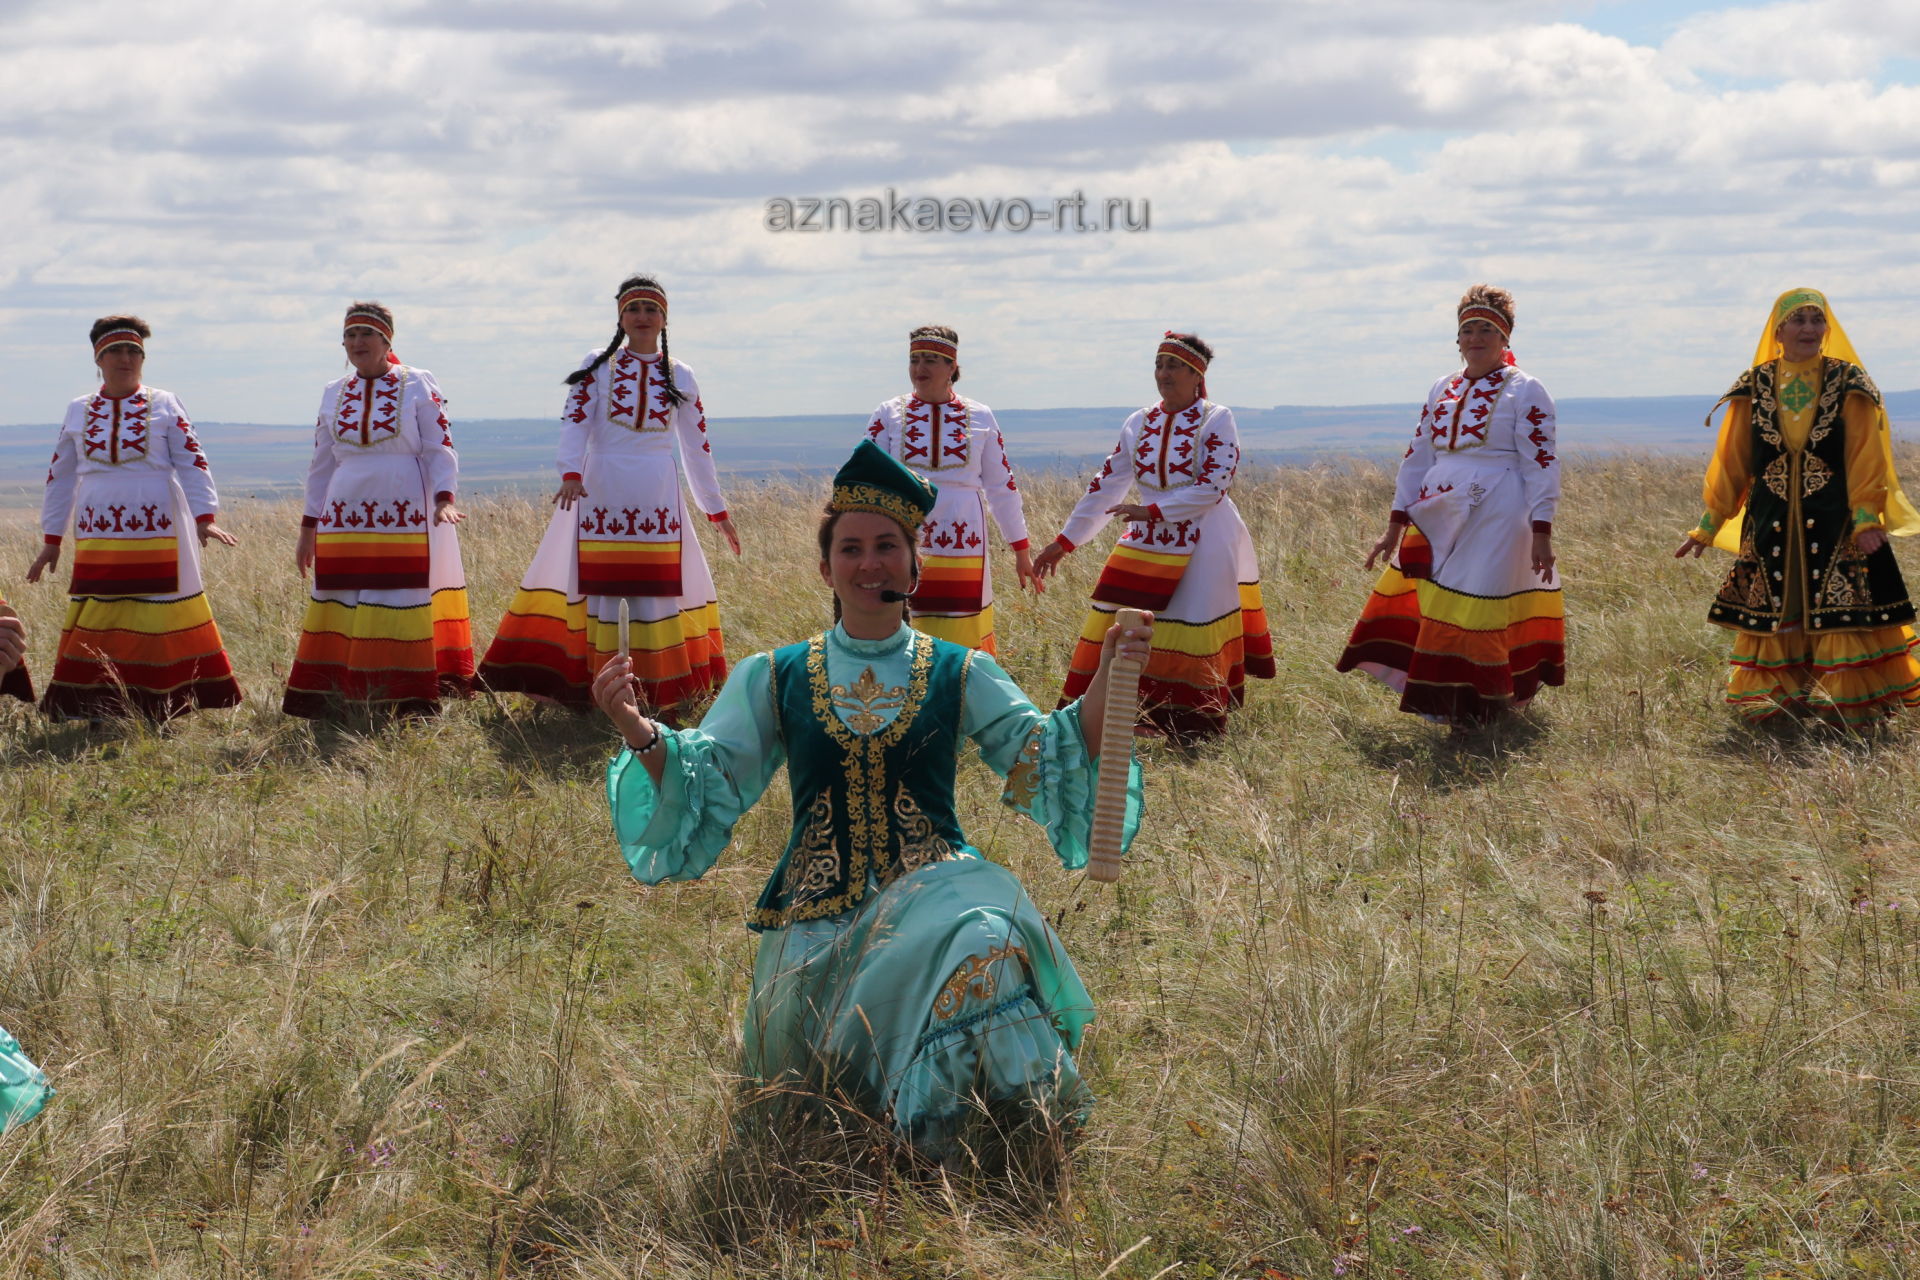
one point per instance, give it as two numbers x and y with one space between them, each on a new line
627 522
956 536
115 431
921 447
1463 411
635 400
123 519
576 410
368 412
192 443
1175 535
1164 456
397 516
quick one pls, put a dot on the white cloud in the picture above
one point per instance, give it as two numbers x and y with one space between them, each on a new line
238 173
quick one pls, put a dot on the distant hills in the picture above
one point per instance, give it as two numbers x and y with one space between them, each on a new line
266 459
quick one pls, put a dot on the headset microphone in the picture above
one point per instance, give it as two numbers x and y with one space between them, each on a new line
894 597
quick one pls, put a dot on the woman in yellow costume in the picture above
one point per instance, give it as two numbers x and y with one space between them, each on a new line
1802 489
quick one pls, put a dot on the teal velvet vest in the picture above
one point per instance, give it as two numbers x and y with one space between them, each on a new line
866 796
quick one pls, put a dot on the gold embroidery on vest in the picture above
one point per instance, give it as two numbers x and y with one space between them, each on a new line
1776 474
865 700
867 824
815 862
919 844
1814 474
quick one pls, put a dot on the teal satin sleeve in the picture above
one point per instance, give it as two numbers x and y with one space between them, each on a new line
1043 757
712 775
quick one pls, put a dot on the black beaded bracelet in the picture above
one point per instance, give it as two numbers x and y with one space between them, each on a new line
651 742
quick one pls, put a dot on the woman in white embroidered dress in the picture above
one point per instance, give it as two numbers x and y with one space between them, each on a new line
1186 554
955 443
620 531
139 636
386 628
1466 622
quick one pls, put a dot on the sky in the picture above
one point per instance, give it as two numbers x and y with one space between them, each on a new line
1321 180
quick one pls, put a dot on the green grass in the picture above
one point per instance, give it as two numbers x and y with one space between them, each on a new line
1627 990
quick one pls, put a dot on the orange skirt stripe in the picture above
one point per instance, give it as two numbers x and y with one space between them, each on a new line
370 562
629 568
125 567
950 585
1462 657
1135 579
398 659
169 662
549 647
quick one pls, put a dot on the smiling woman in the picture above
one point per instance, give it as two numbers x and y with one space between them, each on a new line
902 978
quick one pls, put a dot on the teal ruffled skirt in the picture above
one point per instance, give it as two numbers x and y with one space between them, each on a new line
23 1088
942 996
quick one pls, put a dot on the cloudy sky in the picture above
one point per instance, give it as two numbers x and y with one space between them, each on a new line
1323 178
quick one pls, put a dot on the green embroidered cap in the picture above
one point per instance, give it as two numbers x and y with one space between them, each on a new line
1793 300
873 481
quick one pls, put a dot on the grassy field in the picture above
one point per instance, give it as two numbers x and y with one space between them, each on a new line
1624 991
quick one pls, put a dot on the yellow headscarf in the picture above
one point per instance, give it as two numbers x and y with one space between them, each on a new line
1898 516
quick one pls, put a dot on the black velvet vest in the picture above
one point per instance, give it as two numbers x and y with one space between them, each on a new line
1799 522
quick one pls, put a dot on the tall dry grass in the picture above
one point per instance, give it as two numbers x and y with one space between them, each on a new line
1624 991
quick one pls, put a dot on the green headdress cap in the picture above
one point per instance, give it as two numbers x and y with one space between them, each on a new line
872 480
1794 299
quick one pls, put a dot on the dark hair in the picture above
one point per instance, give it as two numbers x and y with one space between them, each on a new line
104 323
1197 343
372 308
1491 297
674 394
829 518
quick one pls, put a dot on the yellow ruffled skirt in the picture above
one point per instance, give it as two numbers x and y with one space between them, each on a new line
1846 677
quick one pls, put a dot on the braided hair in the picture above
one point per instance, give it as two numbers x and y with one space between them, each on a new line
674 394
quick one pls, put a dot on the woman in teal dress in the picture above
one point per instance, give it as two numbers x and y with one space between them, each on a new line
899 973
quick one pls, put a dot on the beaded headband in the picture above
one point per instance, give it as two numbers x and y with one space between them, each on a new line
649 292
1177 347
933 345
368 320
1475 311
115 337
